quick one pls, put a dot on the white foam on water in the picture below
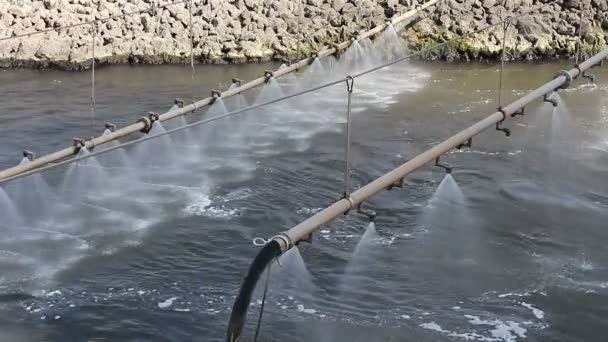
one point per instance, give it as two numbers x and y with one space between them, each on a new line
167 303
433 326
507 331
200 204
538 313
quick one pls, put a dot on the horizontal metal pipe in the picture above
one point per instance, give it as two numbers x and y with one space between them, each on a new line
304 229
138 126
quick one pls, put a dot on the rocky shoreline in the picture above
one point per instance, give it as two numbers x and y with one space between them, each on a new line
239 31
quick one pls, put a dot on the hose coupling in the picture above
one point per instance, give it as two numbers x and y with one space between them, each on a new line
147 124
284 241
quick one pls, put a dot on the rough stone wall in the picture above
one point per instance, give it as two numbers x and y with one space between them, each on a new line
224 31
235 31
551 32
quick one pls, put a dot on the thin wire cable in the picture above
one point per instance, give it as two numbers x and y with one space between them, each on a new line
101 20
191 33
259 324
579 44
93 102
503 54
250 108
350 83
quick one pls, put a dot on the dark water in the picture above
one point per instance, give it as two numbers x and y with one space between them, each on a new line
152 243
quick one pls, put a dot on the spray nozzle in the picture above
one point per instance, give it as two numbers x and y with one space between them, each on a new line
110 126
550 100
468 144
215 94
590 77
29 155
268 74
237 81
153 116
179 102
397 184
446 167
506 131
79 143
371 215
519 112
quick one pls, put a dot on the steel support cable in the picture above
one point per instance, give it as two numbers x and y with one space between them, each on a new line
329 84
293 236
191 34
171 131
580 34
118 16
502 56
350 83
93 102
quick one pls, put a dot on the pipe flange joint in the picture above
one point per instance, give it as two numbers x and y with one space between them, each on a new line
147 124
268 74
180 103
29 155
284 241
567 76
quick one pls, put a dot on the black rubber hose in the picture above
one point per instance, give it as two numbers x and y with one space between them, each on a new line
239 310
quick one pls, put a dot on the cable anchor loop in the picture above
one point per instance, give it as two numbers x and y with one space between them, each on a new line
350 84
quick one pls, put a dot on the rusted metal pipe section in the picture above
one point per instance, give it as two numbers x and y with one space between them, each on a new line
304 230
143 125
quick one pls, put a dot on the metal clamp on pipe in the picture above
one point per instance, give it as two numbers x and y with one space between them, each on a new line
179 102
79 143
284 242
147 124
215 94
567 76
110 126
506 131
446 167
29 155
468 144
268 74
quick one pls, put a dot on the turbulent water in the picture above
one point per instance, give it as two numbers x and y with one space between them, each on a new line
151 242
